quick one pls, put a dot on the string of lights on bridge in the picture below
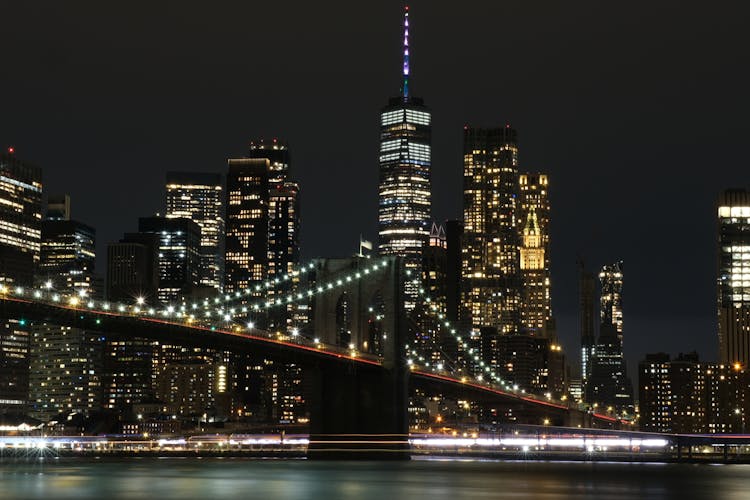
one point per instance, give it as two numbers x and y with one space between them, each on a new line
80 301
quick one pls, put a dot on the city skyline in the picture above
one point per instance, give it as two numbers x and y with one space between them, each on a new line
608 236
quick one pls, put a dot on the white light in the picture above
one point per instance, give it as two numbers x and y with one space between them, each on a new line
295 332
250 325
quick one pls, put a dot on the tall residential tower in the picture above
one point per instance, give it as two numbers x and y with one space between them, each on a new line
733 280
491 286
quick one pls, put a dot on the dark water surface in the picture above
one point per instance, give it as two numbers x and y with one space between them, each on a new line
433 479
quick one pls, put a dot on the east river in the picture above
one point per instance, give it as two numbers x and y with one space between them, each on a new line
239 478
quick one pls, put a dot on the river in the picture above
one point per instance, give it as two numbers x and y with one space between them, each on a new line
241 478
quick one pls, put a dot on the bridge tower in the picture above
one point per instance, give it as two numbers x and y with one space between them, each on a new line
360 410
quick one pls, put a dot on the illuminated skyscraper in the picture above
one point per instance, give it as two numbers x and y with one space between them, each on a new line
246 246
733 277
20 218
262 244
404 207
536 309
491 284
68 250
610 278
178 255
198 197
20 236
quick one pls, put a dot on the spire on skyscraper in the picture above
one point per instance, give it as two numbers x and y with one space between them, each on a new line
405 87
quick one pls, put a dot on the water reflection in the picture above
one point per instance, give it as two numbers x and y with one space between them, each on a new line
300 479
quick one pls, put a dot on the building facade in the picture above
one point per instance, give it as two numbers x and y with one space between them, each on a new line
534 218
610 278
68 256
133 269
491 284
586 319
20 242
685 395
178 255
66 371
733 277
246 245
199 197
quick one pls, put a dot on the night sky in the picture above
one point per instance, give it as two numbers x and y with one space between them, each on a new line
638 111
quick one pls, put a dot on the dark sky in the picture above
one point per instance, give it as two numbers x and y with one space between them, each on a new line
637 110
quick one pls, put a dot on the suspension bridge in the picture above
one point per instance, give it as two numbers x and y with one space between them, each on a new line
358 381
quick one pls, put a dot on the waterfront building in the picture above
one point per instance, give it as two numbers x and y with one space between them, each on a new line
404 192
686 396
198 196
608 386
733 277
66 371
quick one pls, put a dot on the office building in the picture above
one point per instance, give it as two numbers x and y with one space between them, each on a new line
404 196
20 241
534 218
178 255
199 197
20 207
733 277
68 251
66 371
246 244
586 319
133 269
610 278
491 284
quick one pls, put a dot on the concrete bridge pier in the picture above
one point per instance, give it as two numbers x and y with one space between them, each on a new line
358 414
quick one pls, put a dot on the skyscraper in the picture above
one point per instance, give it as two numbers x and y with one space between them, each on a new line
20 236
199 197
20 218
491 285
133 268
608 383
586 314
404 207
265 208
263 244
246 246
610 278
533 220
68 250
66 371
178 255
733 277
